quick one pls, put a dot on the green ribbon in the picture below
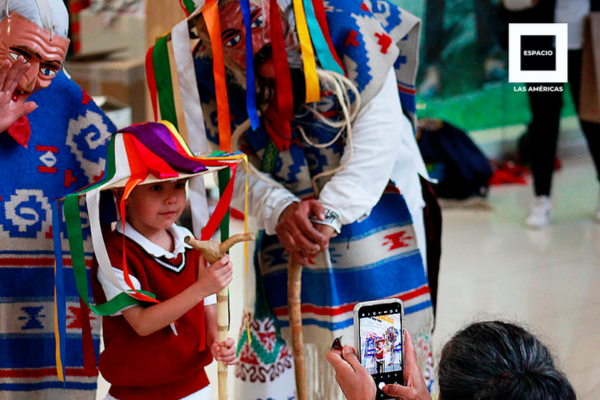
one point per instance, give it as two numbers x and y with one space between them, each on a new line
164 81
224 178
73 221
189 4
269 160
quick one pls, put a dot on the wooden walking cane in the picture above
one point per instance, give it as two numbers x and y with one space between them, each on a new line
213 252
295 309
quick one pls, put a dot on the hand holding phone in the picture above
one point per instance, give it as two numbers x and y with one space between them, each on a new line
379 338
354 380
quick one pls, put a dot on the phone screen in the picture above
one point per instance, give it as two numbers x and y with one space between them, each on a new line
381 343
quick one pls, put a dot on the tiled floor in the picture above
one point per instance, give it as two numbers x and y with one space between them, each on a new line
547 280
492 267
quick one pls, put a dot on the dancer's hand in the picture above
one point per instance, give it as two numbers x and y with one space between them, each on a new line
297 233
415 388
10 75
354 380
327 231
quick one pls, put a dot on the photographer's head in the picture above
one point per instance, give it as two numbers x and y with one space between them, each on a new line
498 360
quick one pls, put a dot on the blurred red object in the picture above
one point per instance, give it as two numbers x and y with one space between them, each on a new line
75 7
236 214
508 172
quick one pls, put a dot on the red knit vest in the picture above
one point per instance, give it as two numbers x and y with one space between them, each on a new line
162 365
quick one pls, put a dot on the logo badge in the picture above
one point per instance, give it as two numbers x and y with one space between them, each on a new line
537 53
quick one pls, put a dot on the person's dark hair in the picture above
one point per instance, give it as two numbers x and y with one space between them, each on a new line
499 361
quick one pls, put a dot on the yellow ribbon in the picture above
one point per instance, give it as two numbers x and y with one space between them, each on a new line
59 368
313 92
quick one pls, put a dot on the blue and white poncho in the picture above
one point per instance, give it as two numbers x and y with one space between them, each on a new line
376 254
66 151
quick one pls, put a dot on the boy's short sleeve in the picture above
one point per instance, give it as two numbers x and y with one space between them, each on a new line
210 300
109 288
114 248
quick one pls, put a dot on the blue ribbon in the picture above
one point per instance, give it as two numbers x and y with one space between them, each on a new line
250 84
320 44
59 285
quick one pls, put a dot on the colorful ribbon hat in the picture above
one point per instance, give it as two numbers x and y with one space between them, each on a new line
315 44
139 154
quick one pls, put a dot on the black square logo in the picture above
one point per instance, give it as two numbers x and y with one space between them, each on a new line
538 53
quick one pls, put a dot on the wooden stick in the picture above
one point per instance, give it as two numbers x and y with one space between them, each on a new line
213 252
223 332
295 308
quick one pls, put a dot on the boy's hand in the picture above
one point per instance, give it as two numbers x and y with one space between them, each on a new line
213 278
224 351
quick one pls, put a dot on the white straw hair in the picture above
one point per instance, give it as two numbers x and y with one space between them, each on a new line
51 15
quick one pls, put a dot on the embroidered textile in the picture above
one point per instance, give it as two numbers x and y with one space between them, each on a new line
372 259
65 152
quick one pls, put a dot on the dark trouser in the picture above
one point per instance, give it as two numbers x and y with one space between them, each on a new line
432 218
543 130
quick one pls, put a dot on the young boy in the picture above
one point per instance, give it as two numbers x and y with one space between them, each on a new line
153 352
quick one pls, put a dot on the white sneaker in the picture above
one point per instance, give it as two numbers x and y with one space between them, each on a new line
539 212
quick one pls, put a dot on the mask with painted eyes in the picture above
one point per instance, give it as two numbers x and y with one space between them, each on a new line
233 35
37 46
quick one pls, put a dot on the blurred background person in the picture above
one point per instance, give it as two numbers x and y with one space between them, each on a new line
546 106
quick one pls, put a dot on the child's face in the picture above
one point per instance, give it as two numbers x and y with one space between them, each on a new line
157 206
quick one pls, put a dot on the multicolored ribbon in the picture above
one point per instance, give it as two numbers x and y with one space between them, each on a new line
326 58
162 150
187 6
210 11
322 20
308 55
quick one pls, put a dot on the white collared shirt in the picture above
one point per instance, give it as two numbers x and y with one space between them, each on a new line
179 233
385 149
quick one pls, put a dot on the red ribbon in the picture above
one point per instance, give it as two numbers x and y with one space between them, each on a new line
152 82
222 207
89 355
156 165
283 77
278 128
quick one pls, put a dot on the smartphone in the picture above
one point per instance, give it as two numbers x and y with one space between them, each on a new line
379 341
